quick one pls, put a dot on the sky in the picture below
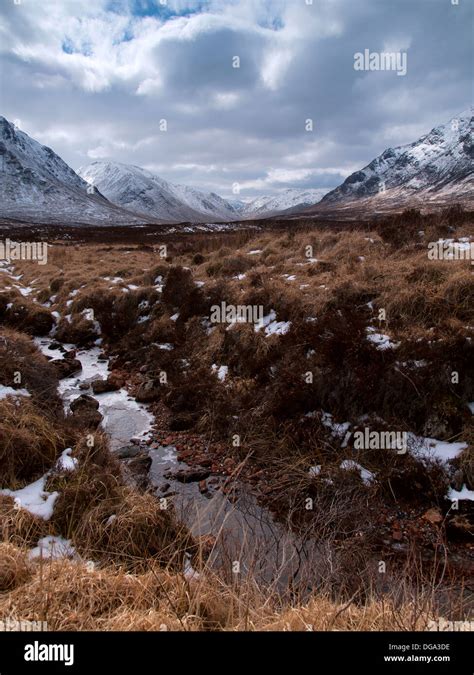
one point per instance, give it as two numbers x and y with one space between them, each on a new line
155 83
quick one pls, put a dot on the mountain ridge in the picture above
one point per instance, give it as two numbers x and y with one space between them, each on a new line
437 166
37 185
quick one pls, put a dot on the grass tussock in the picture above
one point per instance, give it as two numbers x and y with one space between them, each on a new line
29 442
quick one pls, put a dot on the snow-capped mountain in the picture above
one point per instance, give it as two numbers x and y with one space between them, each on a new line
285 200
37 185
437 167
141 191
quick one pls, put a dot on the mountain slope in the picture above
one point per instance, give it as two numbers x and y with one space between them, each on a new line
291 198
37 185
141 191
437 167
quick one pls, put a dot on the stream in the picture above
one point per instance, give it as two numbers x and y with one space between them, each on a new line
243 531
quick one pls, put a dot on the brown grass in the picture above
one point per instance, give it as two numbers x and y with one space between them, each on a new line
29 443
73 596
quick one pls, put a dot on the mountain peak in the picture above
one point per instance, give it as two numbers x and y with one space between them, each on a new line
38 186
437 165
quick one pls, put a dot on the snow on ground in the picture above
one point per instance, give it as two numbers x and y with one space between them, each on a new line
464 493
367 476
34 498
10 391
277 328
66 462
272 326
53 547
339 430
426 448
189 572
25 291
380 340
221 371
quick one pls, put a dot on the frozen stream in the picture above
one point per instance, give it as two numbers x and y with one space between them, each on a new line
243 531
124 418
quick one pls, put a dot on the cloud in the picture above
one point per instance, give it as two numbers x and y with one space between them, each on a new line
95 81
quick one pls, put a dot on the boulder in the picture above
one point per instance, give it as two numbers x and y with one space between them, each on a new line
127 452
148 392
66 367
102 386
84 402
85 410
192 474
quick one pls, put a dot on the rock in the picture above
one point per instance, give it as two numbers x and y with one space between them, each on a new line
99 386
140 464
84 386
184 455
127 452
56 345
203 487
66 367
189 475
433 515
115 381
138 468
202 460
148 392
165 487
89 418
102 386
84 402
85 410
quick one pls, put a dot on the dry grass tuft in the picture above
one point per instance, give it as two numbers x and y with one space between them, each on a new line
29 442
18 526
14 568
133 532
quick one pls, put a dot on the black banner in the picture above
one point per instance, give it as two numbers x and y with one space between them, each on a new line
440 652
